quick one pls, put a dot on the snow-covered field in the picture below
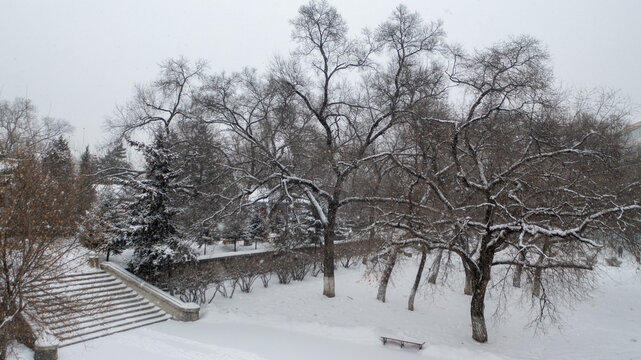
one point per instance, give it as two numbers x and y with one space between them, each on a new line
295 321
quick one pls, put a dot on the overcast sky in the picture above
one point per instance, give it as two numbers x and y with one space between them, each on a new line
77 59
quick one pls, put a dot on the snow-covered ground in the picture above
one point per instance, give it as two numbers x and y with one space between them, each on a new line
295 321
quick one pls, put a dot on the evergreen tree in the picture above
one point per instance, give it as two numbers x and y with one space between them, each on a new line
205 235
236 228
86 191
158 243
311 227
58 161
256 228
58 165
198 155
104 228
113 164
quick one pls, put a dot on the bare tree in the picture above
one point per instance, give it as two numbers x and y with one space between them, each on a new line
522 182
21 127
314 122
33 252
417 280
163 103
34 216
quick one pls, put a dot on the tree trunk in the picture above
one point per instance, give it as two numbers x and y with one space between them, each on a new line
469 281
4 335
417 281
477 312
479 284
108 252
536 282
4 344
436 266
370 237
516 280
329 289
387 274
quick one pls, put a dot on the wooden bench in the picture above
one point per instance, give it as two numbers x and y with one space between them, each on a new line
385 339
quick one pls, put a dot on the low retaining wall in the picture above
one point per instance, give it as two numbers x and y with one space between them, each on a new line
38 339
177 309
264 261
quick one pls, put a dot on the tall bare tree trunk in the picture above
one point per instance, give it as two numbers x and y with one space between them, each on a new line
477 312
516 280
4 344
436 267
536 282
417 281
469 281
387 273
329 288
479 284
370 236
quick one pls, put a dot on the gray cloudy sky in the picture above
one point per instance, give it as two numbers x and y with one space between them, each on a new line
78 59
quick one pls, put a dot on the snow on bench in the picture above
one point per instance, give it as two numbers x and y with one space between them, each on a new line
385 339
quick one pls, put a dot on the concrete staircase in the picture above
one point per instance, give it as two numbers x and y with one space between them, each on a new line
90 305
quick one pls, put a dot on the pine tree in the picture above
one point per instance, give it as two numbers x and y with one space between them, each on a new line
205 235
85 184
112 164
256 229
58 161
236 229
106 228
58 165
312 228
158 243
198 154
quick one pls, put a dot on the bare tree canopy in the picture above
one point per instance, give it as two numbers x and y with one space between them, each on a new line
321 115
515 179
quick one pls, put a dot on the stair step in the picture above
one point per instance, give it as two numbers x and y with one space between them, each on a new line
72 278
83 274
79 284
85 291
108 332
94 295
79 277
88 308
83 318
71 296
125 322
75 275
75 288
77 316
87 302
101 322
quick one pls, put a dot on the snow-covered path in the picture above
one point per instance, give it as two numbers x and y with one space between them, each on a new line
295 321
223 341
245 341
